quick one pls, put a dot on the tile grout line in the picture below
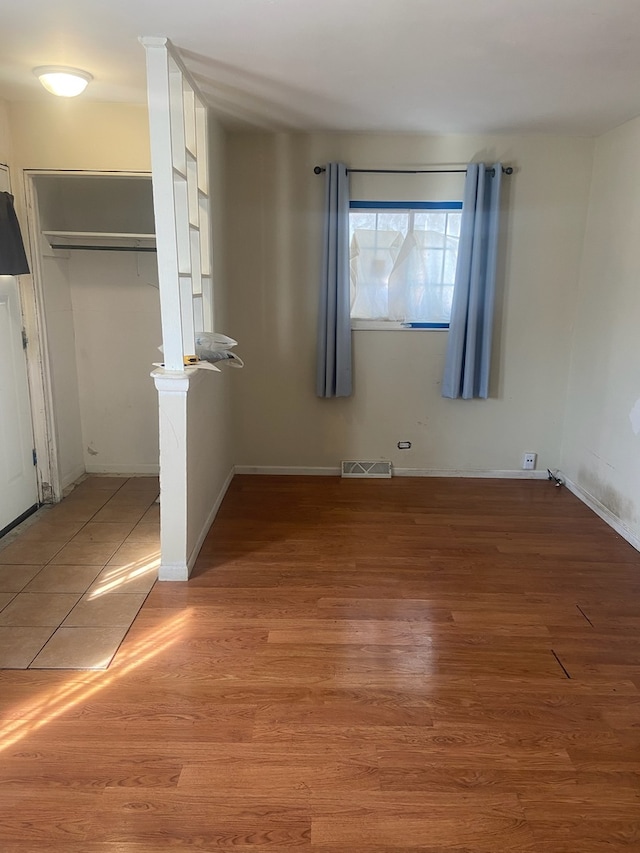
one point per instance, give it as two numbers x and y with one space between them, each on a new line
52 506
101 567
53 556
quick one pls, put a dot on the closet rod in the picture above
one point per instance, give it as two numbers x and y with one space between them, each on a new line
105 248
506 170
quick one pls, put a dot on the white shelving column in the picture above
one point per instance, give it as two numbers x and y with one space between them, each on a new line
179 159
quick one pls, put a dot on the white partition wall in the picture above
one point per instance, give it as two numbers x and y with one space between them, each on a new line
179 160
189 488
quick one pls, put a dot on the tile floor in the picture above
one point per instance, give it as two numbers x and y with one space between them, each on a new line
74 576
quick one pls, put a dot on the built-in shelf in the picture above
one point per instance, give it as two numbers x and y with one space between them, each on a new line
97 211
99 240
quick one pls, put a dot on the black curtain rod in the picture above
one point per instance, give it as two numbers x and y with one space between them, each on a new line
506 170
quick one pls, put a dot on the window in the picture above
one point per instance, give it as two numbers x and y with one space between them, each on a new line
403 259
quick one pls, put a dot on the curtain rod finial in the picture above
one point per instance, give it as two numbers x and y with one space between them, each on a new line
318 169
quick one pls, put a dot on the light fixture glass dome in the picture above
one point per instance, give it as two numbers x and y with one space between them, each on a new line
62 81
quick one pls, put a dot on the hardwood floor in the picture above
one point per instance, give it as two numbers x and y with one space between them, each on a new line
444 666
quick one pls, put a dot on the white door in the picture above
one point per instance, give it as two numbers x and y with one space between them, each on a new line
18 485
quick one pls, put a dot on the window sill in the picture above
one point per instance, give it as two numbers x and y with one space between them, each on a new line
396 326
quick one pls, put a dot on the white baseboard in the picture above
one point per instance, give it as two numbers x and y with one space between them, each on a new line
124 470
173 572
287 470
73 477
515 474
605 514
485 473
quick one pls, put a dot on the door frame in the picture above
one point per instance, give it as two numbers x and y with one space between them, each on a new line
38 357
38 366
20 291
35 374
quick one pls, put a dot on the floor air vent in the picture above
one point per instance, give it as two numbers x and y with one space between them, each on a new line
366 469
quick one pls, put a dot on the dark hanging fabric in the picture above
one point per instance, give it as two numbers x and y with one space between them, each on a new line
334 316
13 260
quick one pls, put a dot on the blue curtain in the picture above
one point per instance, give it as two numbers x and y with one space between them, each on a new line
334 320
468 358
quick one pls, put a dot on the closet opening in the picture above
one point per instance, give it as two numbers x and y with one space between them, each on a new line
98 318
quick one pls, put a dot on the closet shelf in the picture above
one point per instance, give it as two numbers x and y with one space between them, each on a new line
101 241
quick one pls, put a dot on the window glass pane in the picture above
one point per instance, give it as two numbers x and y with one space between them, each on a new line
402 274
450 259
394 220
446 299
436 221
420 220
433 240
453 224
433 264
361 219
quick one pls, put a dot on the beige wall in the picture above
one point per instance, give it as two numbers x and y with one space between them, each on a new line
116 319
274 238
78 135
601 447
210 447
5 135
68 134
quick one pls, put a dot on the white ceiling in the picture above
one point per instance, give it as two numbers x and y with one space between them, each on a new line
427 66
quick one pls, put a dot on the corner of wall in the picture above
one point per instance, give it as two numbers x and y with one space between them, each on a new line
572 330
600 443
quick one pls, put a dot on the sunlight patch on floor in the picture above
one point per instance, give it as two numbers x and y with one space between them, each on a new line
46 708
119 576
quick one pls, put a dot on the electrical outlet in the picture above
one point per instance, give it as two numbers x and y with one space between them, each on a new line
529 461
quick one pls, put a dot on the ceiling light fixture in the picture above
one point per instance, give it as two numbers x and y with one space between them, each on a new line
62 81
